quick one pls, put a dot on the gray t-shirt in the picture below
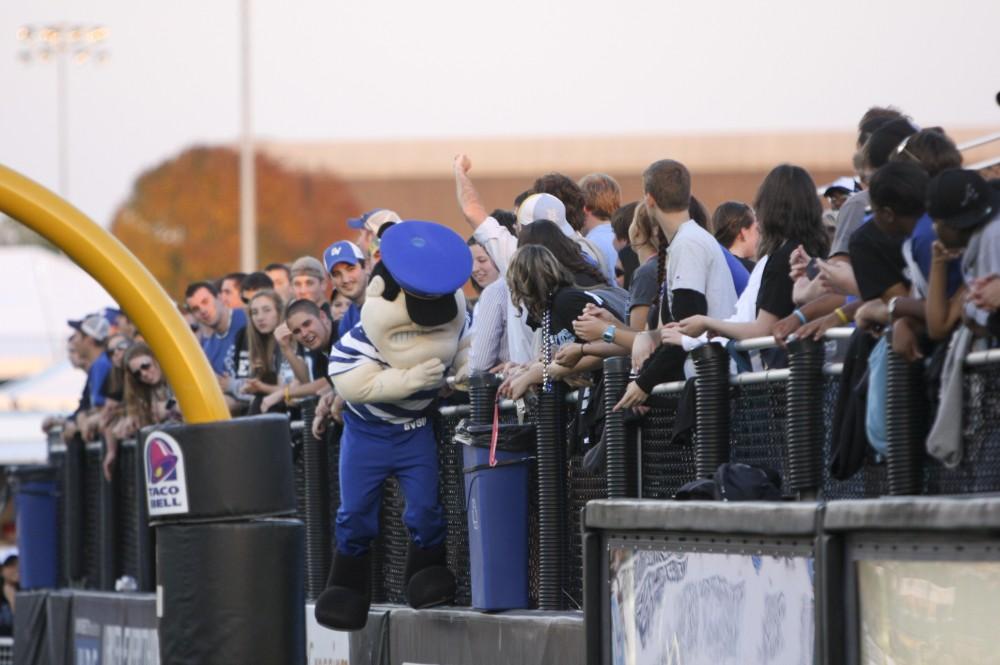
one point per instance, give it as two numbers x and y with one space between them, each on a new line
643 288
695 261
980 259
849 219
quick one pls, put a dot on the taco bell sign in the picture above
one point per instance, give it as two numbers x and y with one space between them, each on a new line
166 484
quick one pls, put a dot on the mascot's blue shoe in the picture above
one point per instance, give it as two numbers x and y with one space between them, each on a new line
428 580
344 603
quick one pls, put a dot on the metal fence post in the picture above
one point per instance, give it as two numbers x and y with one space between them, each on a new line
903 463
711 362
804 416
316 503
620 484
551 493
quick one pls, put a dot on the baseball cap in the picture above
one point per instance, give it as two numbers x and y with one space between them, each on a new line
308 265
373 219
845 183
92 325
8 556
112 314
544 206
342 251
961 199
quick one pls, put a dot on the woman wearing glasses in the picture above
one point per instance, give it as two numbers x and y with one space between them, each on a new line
148 398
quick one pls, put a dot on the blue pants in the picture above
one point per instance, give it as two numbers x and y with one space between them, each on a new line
370 453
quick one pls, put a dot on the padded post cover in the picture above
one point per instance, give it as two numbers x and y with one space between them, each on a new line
231 592
222 470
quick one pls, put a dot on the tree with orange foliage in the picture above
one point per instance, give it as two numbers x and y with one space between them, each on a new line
182 217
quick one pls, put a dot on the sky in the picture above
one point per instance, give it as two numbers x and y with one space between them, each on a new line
326 70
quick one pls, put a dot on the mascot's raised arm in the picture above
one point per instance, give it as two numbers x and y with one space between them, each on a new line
389 369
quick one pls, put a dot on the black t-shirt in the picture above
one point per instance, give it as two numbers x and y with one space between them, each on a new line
319 363
241 355
630 263
117 395
583 279
567 305
775 294
877 260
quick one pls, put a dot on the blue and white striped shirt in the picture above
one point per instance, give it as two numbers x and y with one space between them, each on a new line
353 349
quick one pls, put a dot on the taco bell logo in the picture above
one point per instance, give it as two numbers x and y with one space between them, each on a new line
166 485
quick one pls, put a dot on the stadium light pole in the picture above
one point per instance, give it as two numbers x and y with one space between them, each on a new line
61 42
248 184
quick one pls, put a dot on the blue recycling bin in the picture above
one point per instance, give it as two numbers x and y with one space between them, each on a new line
497 503
36 513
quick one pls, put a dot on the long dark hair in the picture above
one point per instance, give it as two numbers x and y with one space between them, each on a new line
262 347
138 395
788 208
568 253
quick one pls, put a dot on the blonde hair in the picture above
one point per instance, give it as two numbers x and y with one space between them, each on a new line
645 229
533 276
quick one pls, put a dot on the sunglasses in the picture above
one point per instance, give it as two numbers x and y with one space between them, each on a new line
619 272
120 346
144 367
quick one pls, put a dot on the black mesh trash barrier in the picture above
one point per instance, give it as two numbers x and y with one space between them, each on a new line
620 482
316 505
804 393
711 362
904 454
551 497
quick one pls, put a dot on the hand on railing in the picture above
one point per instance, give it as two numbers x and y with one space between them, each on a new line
906 340
817 328
984 292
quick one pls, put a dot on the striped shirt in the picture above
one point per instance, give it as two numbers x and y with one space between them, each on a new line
355 349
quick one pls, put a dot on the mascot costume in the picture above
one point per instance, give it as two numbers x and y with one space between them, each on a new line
389 370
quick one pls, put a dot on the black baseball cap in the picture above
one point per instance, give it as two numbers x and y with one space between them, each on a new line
961 199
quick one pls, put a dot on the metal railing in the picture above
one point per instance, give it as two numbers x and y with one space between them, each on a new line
781 418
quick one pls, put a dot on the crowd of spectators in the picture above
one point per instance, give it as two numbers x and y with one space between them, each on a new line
570 274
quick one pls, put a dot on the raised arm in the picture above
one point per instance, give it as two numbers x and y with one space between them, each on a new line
468 198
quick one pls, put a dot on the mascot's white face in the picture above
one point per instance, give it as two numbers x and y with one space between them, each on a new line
402 342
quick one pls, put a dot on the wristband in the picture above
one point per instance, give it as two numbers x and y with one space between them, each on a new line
840 315
288 397
801 316
892 308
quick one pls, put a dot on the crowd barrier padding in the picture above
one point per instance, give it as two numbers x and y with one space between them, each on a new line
81 627
702 582
230 578
232 592
919 579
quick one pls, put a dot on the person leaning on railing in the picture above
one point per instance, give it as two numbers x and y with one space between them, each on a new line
790 217
149 400
549 293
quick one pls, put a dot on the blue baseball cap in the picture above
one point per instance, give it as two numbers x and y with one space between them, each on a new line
342 251
428 260
373 219
112 314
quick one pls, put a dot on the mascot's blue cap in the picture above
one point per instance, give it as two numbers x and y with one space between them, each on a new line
426 259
